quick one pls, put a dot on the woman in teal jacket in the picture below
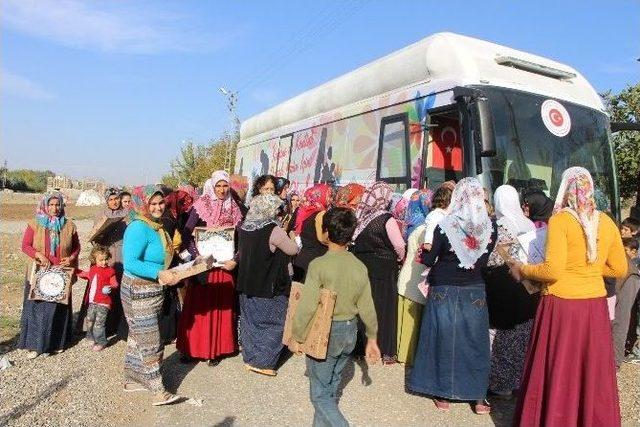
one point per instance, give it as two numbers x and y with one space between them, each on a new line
147 252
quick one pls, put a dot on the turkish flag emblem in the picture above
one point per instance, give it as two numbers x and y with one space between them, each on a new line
445 148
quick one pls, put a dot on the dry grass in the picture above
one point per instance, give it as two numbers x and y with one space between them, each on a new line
25 212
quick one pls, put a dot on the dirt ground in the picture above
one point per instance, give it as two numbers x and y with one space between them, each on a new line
81 387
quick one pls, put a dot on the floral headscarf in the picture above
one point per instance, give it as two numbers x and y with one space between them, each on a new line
398 208
214 211
349 196
467 224
417 210
316 200
52 223
509 212
263 210
576 196
111 191
374 203
178 202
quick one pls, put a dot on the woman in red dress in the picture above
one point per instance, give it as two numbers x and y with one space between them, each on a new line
206 329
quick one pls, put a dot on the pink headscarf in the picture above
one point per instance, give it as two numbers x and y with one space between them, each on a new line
214 211
316 200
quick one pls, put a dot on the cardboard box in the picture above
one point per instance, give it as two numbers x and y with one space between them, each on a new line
102 226
197 266
318 338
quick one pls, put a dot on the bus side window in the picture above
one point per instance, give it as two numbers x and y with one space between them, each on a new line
393 153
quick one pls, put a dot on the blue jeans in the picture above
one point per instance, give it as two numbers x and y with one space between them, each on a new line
325 375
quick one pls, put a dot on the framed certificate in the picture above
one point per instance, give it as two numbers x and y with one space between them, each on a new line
215 242
52 284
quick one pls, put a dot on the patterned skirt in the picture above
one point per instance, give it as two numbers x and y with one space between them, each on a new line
507 357
261 329
142 305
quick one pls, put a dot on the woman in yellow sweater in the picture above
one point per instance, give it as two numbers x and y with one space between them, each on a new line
569 377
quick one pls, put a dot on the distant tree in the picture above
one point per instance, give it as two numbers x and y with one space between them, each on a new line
195 163
625 107
28 180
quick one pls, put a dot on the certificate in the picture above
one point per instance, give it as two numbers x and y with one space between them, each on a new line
51 284
215 242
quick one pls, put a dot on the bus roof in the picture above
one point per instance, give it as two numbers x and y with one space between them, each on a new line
456 59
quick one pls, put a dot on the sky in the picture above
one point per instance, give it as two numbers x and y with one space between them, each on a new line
112 89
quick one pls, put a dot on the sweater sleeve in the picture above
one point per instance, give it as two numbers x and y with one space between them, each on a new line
188 241
133 249
395 236
616 264
307 305
366 309
280 240
27 242
429 258
555 257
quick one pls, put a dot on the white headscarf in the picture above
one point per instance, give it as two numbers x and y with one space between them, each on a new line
576 196
509 212
467 223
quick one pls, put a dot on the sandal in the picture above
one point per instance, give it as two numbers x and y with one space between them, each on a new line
442 405
131 387
165 398
213 363
267 372
32 355
482 408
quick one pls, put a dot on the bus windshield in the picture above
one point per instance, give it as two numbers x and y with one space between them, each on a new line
529 154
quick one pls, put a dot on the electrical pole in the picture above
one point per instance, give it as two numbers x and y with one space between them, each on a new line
4 175
232 101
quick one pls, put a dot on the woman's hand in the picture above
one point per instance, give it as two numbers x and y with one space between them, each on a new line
515 269
229 265
42 260
292 235
167 278
65 262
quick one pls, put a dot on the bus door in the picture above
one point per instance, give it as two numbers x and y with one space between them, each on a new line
442 148
393 152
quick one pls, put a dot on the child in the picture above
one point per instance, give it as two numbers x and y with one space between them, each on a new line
340 271
626 292
629 227
101 279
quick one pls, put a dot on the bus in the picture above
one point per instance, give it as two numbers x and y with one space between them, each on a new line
443 108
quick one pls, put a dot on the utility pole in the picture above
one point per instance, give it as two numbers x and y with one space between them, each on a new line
232 100
4 175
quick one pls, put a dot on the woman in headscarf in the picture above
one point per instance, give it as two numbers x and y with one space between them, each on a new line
147 252
417 211
452 358
264 283
411 299
537 207
206 329
178 206
378 243
291 207
309 228
349 196
50 240
264 184
569 374
282 187
511 307
398 208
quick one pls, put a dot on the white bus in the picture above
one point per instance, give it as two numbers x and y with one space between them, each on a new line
443 108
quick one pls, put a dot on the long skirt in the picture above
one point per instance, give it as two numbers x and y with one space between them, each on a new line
142 305
569 375
452 358
384 291
45 326
261 329
409 317
507 357
207 327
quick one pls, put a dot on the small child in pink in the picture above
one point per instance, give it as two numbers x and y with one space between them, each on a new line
101 279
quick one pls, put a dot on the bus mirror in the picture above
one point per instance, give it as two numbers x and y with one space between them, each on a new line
483 133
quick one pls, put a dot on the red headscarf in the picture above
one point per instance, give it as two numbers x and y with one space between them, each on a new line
316 200
178 202
349 196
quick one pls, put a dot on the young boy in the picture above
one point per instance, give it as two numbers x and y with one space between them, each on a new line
340 271
102 280
629 227
626 292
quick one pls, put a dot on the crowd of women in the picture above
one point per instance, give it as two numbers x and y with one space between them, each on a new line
445 268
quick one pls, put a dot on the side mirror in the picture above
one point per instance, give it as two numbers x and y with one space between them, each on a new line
483 133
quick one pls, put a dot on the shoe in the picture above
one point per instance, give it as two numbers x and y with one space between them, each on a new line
32 355
44 354
98 347
58 351
633 359
482 408
213 363
267 372
165 398
389 360
442 405
131 387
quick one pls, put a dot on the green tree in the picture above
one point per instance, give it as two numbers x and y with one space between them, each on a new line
195 163
625 107
28 180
